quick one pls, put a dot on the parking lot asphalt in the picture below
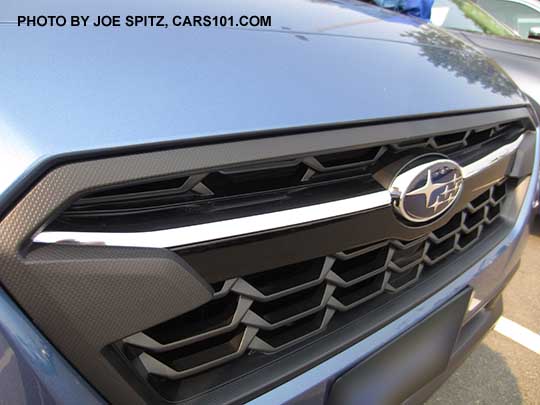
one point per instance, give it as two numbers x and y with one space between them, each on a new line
501 370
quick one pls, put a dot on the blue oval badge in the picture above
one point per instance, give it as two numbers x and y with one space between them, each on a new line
428 190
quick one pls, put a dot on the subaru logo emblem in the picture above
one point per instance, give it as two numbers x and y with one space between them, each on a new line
427 191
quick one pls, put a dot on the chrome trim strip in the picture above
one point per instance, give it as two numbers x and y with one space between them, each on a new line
272 221
492 158
223 229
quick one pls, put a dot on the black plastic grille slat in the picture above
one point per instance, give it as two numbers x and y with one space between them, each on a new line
203 352
398 281
412 144
283 308
479 136
360 266
403 258
407 257
475 219
128 205
452 139
286 277
126 193
358 292
437 251
220 191
246 182
292 332
357 157
300 300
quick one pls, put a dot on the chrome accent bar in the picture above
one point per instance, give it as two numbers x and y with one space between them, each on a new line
492 158
271 221
223 229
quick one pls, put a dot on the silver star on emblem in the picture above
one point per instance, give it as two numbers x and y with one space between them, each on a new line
450 190
427 189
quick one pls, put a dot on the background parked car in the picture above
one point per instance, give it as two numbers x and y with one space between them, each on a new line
523 16
520 58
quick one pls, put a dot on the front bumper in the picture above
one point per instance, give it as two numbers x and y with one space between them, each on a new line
487 278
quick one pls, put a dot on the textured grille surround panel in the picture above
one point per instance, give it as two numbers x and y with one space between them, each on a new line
271 311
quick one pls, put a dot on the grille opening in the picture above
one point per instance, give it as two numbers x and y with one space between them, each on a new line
493 212
361 265
360 291
499 191
403 258
291 305
453 225
293 331
358 173
108 206
513 128
253 181
286 277
413 143
477 137
359 248
358 156
203 352
472 220
450 139
514 125
136 189
480 200
399 280
467 239
436 251
217 287
210 316
142 196
190 208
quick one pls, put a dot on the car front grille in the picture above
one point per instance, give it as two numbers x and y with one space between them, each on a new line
119 263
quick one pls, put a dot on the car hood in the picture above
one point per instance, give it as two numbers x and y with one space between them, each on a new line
67 90
520 58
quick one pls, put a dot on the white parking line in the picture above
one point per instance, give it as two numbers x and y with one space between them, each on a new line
518 334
